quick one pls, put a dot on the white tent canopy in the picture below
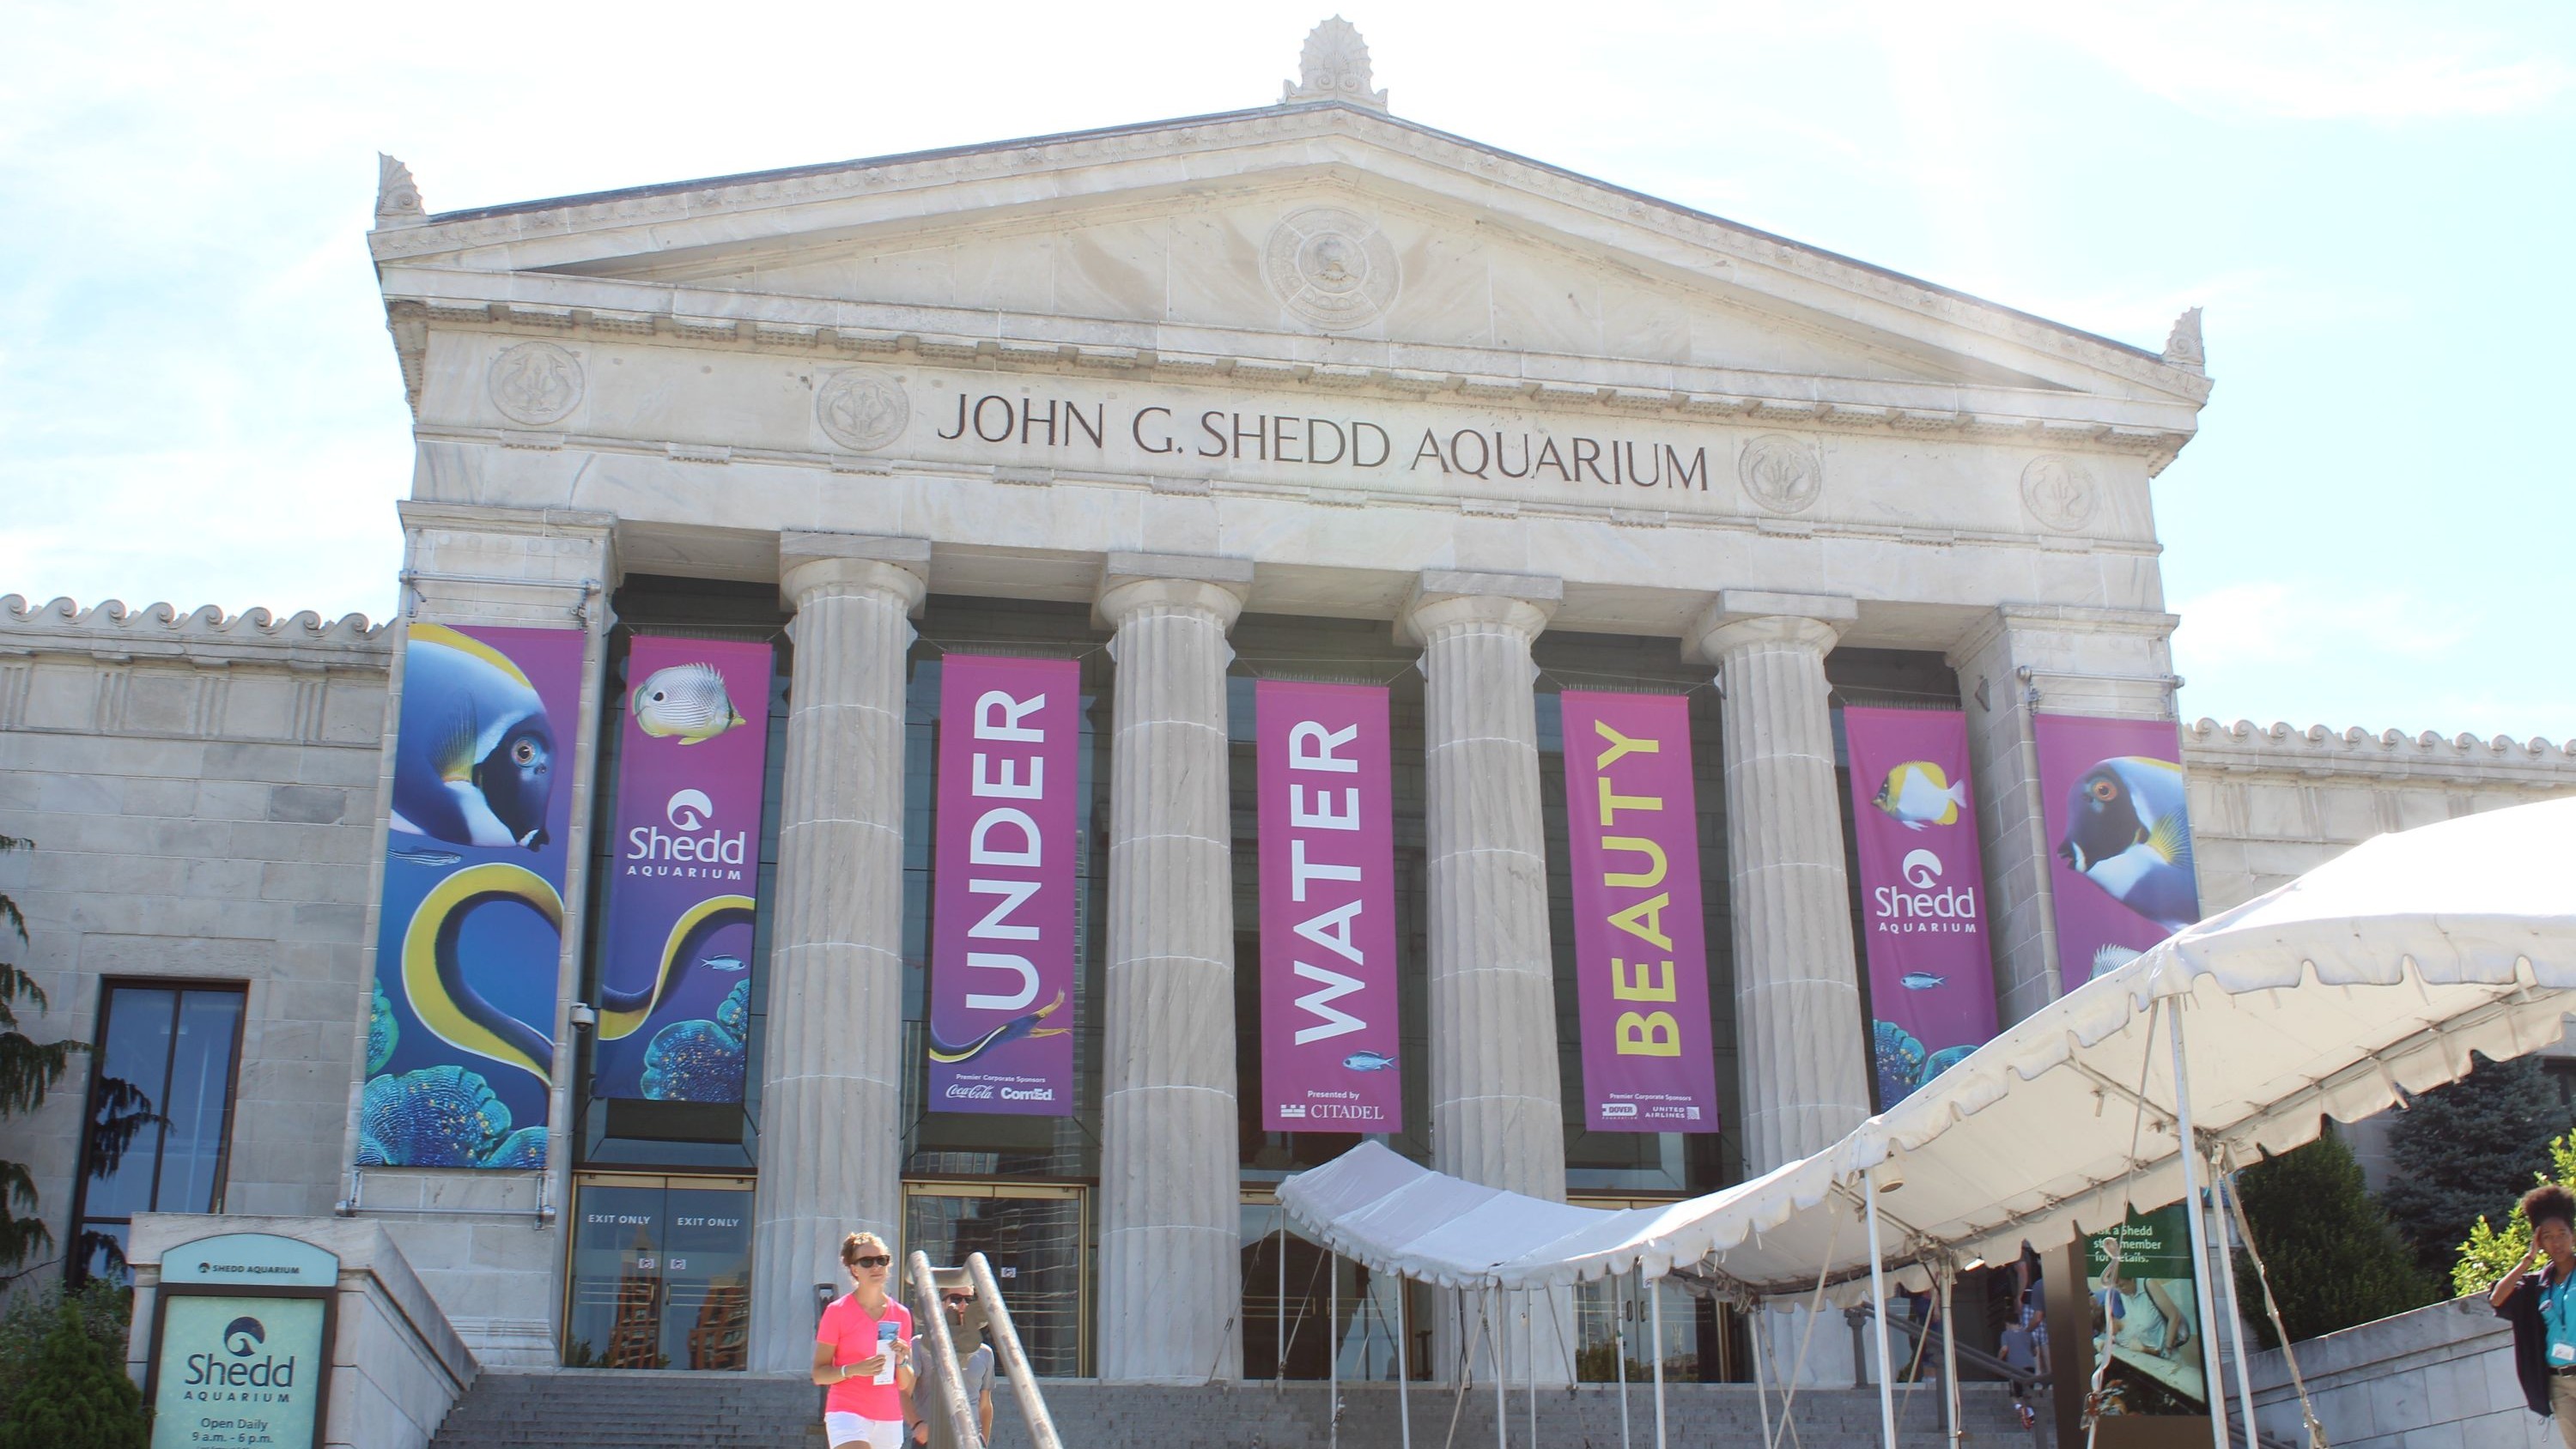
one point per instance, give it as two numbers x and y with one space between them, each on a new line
2381 970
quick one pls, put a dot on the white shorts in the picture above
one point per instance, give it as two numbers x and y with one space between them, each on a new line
851 1429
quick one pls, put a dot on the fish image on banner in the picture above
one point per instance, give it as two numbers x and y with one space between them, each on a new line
460 1032
1330 1046
1922 888
673 993
2119 832
1640 935
1002 886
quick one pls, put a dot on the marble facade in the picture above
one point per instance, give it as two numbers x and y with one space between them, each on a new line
1309 359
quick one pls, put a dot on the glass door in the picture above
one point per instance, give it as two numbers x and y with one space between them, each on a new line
661 1274
1037 1238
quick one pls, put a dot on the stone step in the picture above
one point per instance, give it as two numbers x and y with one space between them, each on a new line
594 1409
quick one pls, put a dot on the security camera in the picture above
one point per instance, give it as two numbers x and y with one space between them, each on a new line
583 1016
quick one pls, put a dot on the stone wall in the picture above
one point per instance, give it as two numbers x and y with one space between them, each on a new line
2440 1377
199 793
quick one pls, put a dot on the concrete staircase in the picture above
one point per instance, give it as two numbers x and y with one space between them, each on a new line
595 1409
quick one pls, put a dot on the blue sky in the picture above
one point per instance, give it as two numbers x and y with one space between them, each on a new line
198 402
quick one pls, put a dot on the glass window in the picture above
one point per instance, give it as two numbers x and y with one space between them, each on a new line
1033 1236
160 1112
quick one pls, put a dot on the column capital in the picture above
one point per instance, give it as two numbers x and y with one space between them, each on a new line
814 560
1133 581
1442 597
1738 617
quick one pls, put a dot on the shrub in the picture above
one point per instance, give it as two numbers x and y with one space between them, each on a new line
75 1395
2333 1257
2490 1252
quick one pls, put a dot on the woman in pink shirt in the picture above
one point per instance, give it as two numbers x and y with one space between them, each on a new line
863 1352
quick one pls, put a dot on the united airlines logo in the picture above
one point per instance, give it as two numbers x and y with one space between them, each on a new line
689 810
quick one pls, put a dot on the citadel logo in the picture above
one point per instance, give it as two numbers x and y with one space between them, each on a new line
689 809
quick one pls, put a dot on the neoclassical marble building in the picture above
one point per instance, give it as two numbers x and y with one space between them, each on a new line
1307 390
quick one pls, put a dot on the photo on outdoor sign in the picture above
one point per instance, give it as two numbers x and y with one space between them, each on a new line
2119 835
2145 1317
461 1030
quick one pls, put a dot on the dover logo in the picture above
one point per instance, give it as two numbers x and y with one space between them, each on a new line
243 1337
689 810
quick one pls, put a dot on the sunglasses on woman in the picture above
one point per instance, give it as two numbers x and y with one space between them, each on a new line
872 1260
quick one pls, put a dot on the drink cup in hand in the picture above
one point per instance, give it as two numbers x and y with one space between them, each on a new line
886 1343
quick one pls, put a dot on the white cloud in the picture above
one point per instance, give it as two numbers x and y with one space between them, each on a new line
2267 622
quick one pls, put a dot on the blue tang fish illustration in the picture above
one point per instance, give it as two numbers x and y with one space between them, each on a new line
474 761
2127 831
1368 1061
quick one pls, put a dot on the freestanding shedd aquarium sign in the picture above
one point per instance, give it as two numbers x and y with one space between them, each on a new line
241 1343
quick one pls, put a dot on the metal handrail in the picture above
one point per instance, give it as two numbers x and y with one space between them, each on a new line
952 1392
1006 1342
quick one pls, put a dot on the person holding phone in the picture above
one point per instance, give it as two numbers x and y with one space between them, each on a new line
863 1352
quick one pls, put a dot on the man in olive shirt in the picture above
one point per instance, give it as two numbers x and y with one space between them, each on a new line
926 1409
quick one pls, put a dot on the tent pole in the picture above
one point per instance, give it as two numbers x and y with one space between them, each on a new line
2226 1235
1333 1348
1502 1380
1950 1357
1403 1362
1878 1314
1619 1347
1757 1336
1655 1305
1279 1332
1529 1360
2213 1387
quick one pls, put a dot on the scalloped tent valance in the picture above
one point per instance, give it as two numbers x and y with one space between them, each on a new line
2380 970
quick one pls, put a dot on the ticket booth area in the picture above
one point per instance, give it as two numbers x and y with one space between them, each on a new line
661 1273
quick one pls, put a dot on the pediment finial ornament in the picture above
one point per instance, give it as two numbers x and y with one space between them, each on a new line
1334 67
397 195
2182 345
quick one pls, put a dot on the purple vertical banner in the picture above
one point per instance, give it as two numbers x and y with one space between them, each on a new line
1922 891
1001 930
2119 838
674 996
1640 938
1329 1047
469 940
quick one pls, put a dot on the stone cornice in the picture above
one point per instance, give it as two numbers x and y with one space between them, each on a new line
1611 210
2245 748
111 633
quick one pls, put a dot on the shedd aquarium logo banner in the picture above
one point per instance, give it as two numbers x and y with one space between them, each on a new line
238 1371
674 984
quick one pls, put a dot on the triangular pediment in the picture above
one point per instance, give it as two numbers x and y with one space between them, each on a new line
1315 233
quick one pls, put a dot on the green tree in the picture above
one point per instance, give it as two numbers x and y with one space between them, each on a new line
75 1396
2489 1252
2333 1257
2466 1149
29 1070
105 1309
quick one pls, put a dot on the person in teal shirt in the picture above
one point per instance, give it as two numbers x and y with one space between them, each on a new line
2541 1304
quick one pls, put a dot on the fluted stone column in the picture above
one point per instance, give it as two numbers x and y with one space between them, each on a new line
1170 1272
1496 1111
831 1158
1797 989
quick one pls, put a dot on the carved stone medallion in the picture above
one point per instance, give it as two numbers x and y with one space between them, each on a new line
1781 473
1331 267
860 412
2059 492
536 383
